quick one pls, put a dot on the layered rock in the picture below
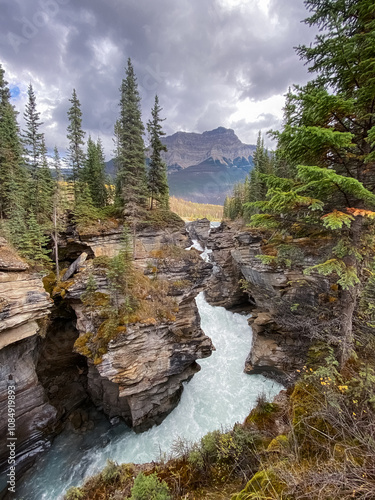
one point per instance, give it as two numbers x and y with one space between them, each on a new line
140 376
271 289
24 306
199 230
189 148
106 240
224 287
23 300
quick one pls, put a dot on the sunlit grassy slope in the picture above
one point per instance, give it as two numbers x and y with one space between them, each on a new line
190 211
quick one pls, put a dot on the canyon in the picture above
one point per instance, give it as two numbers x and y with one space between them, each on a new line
140 375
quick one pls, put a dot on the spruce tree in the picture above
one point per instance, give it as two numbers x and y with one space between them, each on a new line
93 173
76 141
329 130
58 209
45 186
131 168
31 136
13 176
34 242
157 174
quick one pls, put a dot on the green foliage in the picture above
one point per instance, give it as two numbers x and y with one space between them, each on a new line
157 181
120 273
76 141
149 488
131 182
267 259
93 173
347 275
32 244
84 213
246 195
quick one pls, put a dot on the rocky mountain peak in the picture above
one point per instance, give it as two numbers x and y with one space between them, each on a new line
221 145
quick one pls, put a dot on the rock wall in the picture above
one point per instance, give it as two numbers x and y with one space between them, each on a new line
275 349
24 306
140 377
224 287
106 239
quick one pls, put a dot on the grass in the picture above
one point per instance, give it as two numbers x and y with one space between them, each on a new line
189 210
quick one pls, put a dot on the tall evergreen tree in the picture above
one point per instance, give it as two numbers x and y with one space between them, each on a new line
131 169
93 173
76 141
157 174
329 128
45 188
13 185
31 136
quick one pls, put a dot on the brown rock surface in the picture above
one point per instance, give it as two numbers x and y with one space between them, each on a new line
140 377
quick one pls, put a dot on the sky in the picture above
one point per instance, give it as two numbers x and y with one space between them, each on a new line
212 62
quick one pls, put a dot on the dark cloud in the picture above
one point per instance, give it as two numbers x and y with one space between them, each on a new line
203 59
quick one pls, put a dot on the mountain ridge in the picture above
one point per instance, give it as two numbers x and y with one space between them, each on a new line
203 167
191 148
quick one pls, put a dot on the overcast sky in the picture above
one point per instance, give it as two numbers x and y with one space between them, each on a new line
212 62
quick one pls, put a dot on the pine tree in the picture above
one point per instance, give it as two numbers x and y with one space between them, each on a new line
32 138
329 129
76 141
85 212
157 173
131 170
34 242
13 176
45 186
120 274
93 173
58 211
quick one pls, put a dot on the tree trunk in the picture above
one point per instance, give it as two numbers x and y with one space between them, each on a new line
349 296
349 302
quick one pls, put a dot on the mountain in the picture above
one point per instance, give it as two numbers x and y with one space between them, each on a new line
204 167
221 146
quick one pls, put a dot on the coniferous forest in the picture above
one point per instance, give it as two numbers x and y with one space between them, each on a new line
37 202
296 245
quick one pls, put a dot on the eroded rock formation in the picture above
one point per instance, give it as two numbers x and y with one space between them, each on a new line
140 376
272 289
24 307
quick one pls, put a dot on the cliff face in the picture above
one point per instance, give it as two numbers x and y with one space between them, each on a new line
271 289
105 240
24 306
221 145
140 376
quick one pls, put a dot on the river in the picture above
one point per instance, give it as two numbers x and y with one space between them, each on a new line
217 397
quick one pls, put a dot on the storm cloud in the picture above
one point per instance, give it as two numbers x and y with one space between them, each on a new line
212 63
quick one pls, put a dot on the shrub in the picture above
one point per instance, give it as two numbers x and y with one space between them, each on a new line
74 493
111 472
149 488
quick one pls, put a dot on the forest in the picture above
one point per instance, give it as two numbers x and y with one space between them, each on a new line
310 204
37 203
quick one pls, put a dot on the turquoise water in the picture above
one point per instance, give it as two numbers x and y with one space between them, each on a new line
216 397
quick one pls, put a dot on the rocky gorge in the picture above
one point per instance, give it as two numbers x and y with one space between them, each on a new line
138 376
240 278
